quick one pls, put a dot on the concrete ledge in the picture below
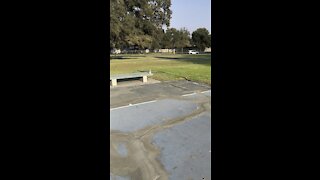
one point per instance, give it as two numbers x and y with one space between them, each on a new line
143 75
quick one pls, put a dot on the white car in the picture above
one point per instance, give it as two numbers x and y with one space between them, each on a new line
193 52
115 51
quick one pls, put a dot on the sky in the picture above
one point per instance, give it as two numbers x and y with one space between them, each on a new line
191 14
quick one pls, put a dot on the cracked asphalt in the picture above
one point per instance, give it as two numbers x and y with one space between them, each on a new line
160 131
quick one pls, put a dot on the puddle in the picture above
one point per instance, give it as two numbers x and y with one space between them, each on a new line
122 150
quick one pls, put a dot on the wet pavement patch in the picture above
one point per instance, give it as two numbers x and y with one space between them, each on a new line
186 148
122 150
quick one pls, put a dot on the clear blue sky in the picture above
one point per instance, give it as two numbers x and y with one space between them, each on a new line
191 14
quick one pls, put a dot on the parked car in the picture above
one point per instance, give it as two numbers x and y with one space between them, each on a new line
115 51
193 52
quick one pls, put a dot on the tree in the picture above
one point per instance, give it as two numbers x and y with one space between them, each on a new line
183 38
117 22
166 41
174 38
138 22
201 38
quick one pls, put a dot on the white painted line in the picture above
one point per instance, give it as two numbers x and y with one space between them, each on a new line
143 103
206 91
189 94
132 105
119 107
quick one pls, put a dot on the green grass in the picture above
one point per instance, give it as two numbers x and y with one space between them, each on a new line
165 66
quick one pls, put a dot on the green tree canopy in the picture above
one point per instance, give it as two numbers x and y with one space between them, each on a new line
174 38
201 38
183 39
138 22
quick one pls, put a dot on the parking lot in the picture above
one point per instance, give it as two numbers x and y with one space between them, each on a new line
160 131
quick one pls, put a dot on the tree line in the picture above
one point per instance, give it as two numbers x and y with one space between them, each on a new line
142 23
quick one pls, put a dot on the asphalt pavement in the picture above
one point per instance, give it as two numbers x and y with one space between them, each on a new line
160 131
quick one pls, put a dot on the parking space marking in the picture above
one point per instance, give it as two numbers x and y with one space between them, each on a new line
119 107
189 94
206 91
129 105
147 102
132 105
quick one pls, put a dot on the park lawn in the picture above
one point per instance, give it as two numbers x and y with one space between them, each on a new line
166 66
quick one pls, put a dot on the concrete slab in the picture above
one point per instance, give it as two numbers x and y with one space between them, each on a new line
133 118
186 149
118 178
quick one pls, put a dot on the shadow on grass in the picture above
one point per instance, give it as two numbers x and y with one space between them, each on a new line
127 57
133 55
167 57
200 60
122 57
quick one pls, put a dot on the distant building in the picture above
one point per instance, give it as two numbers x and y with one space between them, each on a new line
167 51
207 50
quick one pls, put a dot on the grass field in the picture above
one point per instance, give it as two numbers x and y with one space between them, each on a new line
165 66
